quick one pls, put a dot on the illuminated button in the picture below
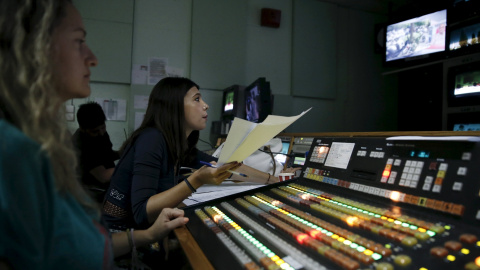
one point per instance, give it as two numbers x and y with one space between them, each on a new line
426 186
451 258
457 186
453 245
466 156
436 188
468 238
462 171
443 167
439 252
402 260
384 266
429 179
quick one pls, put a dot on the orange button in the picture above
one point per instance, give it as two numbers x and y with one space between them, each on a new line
453 245
468 238
438 181
439 252
457 209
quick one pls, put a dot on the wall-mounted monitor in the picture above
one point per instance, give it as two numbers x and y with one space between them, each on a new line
465 121
258 101
463 85
465 38
417 39
233 104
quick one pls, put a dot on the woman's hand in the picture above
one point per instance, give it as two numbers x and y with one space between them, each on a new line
215 176
168 220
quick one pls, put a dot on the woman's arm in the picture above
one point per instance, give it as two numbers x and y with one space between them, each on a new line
175 195
168 220
254 175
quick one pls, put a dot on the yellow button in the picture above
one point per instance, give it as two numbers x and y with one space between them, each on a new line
384 266
402 260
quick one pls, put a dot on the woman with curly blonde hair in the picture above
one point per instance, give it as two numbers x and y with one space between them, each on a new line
47 221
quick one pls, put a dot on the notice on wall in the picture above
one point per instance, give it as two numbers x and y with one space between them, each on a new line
114 109
139 74
157 69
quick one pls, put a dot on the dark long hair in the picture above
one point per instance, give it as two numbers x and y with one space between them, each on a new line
166 113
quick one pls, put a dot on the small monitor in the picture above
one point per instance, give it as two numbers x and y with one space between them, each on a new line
463 84
465 38
233 103
282 158
258 101
466 121
416 38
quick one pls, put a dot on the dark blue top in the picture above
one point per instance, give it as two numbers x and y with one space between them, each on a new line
143 171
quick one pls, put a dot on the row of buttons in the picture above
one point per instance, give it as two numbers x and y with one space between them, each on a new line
456 209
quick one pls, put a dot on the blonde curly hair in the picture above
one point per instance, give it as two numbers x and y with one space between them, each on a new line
28 98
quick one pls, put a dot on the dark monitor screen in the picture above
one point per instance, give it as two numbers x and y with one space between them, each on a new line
420 36
258 101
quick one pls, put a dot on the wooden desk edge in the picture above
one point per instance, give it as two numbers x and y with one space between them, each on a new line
194 253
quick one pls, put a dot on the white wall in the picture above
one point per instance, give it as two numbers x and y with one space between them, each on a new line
195 36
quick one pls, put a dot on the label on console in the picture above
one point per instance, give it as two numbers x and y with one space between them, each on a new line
339 155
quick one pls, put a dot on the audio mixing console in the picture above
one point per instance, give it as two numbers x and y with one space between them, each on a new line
360 203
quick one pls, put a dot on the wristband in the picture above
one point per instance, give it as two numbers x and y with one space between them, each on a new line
190 185
268 178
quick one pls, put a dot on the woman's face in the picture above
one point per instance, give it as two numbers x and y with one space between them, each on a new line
195 111
72 58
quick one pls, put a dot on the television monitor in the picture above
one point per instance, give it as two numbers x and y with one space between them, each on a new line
464 38
233 103
464 121
463 85
258 101
416 38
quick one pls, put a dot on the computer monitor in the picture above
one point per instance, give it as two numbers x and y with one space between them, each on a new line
416 39
233 104
258 101
282 157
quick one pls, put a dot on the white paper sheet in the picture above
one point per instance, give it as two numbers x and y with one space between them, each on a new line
246 137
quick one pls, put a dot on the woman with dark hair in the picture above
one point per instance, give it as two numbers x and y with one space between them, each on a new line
147 177
47 221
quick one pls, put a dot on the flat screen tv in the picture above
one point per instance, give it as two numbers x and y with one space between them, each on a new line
258 101
463 83
416 39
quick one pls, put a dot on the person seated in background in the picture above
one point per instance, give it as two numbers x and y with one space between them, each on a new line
47 221
94 149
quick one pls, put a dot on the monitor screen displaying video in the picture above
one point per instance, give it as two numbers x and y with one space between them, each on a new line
418 36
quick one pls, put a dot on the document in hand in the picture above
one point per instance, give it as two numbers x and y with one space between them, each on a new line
246 137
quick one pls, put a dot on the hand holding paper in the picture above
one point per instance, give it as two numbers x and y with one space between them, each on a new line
246 137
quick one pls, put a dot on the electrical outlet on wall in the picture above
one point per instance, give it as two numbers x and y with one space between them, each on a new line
70 112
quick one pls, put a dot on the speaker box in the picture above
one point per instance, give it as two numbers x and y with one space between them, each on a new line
271 17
